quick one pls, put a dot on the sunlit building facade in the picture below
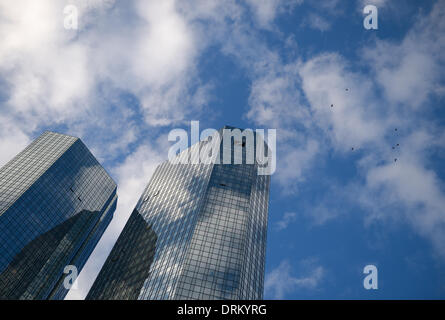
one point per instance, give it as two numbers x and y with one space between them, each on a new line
197 232
56 201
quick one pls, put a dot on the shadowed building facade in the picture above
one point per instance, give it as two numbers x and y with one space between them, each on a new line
56 201
198 232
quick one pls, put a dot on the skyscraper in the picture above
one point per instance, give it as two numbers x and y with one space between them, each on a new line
55 202
197 232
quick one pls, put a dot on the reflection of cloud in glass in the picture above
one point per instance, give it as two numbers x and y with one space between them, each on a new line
129 263
55 202
37 262
210 221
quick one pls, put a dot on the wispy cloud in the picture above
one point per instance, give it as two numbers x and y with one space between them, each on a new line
58 76
318 22
280 281
132 69
329 103
129 69
266 11
287 219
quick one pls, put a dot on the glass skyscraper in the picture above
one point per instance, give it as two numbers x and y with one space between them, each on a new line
55 202
197 232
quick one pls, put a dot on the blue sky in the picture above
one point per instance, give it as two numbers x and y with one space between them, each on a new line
134 70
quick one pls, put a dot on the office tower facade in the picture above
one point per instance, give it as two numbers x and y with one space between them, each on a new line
197 232
56 201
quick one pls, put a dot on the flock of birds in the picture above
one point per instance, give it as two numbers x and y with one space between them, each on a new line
394 147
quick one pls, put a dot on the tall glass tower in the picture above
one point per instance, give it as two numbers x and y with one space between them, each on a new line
55 202
197 232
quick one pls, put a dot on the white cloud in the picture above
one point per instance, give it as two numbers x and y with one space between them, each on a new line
300 94
279 282
294 162
318 22
412 191
128 60
79 80
44 69
12 140
287 219
406 190
296 96
354 118
56 76
149 50
273 101
267 10
410 72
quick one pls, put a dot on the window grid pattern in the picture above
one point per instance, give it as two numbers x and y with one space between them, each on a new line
255 246
59 195
215 258
207 219
169 205
83 253
173 217
24 169
227 256
128 264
